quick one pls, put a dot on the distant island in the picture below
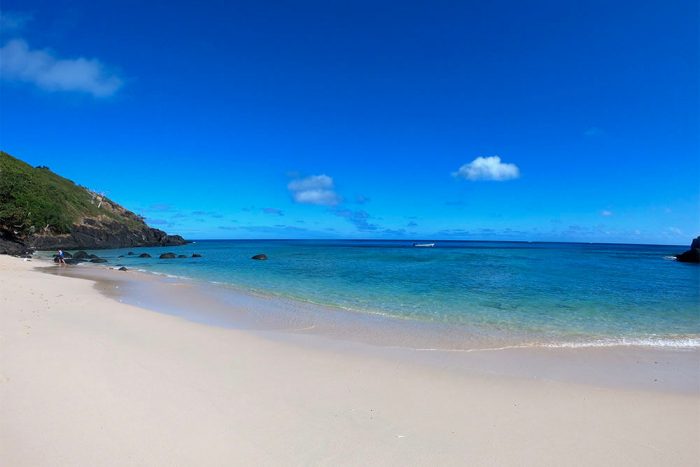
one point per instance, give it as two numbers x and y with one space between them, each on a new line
40 210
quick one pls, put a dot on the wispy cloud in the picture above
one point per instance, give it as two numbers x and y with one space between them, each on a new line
455 203
213 214
453 233
159 207
412 224
273 211
606 213
593 131
18 62
274 229
359 219
394 232
162 222
362 199
12 21
316 189
488 168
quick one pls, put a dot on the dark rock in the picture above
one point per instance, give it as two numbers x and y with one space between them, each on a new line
12 247
196 255
144 255
182 256
261 256
93 256
130 253
123 268
167 256
81 255
692 255
98 260
104 234
695 243
67 255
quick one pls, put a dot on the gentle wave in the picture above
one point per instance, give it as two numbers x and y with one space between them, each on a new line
680 343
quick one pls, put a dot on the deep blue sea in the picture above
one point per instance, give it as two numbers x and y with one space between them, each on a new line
564 293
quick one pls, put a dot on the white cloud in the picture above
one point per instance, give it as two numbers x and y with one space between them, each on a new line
40 67
316 189
488 168
606 213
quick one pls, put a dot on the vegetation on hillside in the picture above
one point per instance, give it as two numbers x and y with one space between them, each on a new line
35 200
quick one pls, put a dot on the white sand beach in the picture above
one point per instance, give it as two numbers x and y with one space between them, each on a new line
88 381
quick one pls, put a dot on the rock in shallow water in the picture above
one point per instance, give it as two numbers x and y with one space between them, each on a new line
123 268
692 255
98 260
144 255
261 256
167 256
196 255
80 255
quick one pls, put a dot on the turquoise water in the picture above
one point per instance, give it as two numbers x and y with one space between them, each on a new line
566 293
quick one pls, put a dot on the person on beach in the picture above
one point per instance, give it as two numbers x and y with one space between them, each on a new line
61 259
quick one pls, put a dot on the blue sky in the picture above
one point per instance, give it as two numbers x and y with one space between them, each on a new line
564 121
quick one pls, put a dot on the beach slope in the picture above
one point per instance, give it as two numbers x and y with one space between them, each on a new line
87 380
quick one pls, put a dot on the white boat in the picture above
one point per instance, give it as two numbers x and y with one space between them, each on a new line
424 245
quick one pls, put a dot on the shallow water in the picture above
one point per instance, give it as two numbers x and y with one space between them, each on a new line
547 293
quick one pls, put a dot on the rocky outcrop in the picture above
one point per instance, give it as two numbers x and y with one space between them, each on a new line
196 255
104 233
144 255
693 254
14 248
168 256
43 211
260 257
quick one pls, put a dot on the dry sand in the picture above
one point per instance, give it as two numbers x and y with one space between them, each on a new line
88 381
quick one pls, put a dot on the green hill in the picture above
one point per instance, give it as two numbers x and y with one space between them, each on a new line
40 209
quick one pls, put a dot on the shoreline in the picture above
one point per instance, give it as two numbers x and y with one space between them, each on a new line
434 335
637 367
87 380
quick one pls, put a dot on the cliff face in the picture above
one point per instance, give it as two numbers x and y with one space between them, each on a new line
42 210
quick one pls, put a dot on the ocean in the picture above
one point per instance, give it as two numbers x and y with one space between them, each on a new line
558 294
